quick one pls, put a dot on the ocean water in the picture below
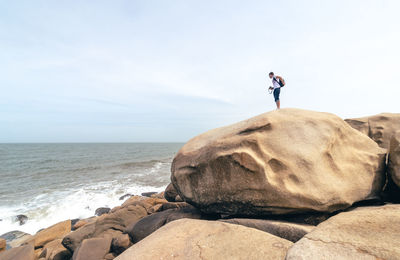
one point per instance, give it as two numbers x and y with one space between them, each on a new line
53 182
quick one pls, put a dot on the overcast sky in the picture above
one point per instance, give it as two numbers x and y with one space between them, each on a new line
160 71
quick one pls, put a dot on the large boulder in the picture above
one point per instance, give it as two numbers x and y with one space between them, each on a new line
379 128
363 233
287 230
285 161
51 233
394 158
201 239
25 252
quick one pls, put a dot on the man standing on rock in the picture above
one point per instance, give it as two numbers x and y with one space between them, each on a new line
277 83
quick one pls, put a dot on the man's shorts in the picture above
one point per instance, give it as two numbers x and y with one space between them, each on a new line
277 91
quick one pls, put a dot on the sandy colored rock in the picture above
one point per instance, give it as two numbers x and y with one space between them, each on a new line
285 161
110 224
49 234
363 233
394 158
287 230
18 253
201 239
379 128
3 244
93 249
54 250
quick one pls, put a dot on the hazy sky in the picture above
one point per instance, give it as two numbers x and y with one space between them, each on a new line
115 71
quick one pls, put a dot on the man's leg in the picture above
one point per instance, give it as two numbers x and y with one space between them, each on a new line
278 104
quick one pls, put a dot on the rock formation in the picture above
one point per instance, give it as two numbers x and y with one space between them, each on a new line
285 161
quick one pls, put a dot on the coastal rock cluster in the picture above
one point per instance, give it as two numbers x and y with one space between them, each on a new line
288 184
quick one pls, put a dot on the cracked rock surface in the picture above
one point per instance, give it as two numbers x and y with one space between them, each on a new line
201 239
363 233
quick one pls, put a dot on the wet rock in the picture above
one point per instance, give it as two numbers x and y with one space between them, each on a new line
148 194
15 238
123 197
22 219
102 211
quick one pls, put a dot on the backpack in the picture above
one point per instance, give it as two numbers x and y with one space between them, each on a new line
279 82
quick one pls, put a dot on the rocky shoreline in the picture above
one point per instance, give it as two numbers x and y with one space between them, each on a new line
289 184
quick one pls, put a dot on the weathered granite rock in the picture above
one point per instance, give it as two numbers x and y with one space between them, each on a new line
287 230
54 250
18 253
285 161
51 233
363 233
394 158
379 128
93 249
112 224
201 239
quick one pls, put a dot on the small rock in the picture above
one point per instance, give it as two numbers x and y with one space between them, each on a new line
102 211
125 196
148 194
109 256
22 219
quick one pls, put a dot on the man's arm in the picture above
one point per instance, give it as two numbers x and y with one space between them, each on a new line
281 79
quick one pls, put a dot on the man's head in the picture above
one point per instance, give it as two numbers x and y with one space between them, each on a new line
271 75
